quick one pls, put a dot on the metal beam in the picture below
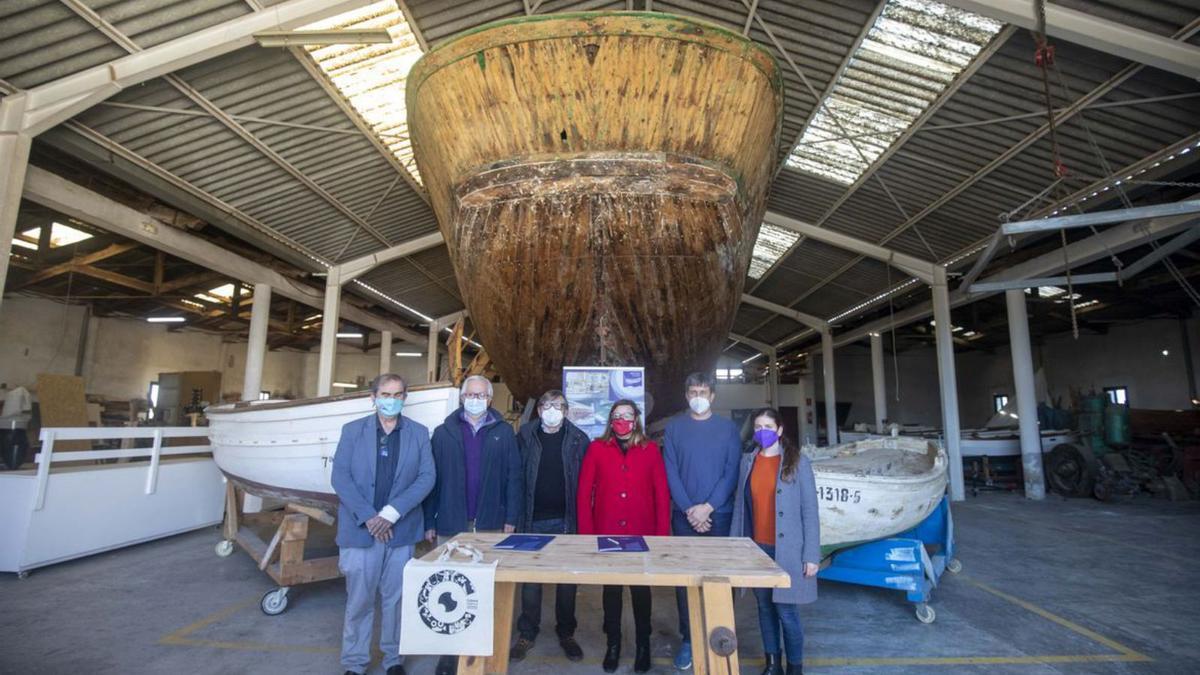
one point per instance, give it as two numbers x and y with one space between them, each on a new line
809 320
1018 284
921 269
1094 32
74 200
1159 253
352 269
1099 218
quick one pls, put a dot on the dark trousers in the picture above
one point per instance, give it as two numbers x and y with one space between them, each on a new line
530 621
775 615
640 595
680 527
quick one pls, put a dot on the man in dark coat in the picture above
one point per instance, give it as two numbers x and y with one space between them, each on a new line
552 451
480 486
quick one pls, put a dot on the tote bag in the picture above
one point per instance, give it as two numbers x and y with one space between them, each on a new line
448 606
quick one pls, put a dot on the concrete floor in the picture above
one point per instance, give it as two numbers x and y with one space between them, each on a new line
1057 587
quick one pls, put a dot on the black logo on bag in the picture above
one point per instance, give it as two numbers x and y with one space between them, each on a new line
447 602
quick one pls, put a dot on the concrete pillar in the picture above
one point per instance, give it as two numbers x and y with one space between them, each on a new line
329 329
256 346
385 352
831 430
14 159
1022 364
949 385
877 381
432 367
773 379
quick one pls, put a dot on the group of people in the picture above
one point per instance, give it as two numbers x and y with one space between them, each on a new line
396 486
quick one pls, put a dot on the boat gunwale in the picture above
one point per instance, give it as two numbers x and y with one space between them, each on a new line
252 406
926 476
438 57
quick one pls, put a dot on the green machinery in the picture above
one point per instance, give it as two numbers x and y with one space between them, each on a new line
1095 466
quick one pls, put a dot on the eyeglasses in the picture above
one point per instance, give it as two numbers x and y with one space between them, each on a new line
556 406
477 397
387 395
624 416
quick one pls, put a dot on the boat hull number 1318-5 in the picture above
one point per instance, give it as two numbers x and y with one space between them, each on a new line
833 494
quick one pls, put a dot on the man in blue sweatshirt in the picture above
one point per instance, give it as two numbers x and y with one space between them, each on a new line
702 452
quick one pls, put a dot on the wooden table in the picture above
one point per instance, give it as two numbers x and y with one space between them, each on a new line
709 567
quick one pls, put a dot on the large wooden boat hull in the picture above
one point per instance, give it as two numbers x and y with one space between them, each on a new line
876 488
284 450
599 180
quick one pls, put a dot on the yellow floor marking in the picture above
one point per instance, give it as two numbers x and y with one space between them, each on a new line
1125 654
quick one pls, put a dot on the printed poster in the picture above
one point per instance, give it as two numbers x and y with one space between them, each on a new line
591 392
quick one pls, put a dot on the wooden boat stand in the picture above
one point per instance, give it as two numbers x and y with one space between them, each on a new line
286 548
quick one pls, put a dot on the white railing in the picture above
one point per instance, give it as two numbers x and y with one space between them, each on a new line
50 435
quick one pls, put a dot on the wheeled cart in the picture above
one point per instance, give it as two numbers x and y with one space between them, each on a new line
912 561
283 557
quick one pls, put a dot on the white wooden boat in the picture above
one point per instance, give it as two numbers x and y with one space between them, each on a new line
284 449
876 488
978 442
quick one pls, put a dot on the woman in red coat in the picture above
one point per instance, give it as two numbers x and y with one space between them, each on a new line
623 491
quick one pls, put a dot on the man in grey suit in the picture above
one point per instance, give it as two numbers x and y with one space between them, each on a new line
382 471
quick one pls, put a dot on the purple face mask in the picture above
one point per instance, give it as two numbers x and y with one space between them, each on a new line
766 437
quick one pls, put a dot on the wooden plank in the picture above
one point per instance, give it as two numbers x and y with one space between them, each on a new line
295 534
718 613
671 561
64 267
115 278
270 552
699 630
189 281
307 572
316 514
505 593
231 511
62 403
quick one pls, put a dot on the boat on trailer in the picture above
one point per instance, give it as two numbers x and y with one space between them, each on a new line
875 488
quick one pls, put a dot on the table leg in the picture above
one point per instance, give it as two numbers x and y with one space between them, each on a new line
505 596
699 641
718 613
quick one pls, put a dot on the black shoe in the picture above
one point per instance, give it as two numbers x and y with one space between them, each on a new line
351 672
612 657
447 665
520 649
571 648
641 657
396 670
774 665
795 670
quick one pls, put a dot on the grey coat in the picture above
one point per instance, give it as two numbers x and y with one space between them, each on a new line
353 480
575 443
797 528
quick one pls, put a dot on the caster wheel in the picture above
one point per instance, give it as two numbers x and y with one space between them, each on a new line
24 574
224 548
954 566
275 602
925 613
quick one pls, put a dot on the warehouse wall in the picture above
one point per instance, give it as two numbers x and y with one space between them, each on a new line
37 336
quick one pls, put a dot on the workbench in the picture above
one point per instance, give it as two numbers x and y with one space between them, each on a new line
709 567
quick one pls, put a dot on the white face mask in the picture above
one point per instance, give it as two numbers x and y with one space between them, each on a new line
475 406
699 405
552 417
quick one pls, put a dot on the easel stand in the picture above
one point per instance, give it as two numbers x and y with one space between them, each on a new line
912 561
283 557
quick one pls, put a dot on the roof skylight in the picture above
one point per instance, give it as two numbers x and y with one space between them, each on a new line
372 76
911 54
772 243
60 235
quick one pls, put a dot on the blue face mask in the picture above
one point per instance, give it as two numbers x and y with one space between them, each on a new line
766 438
389 407
475 407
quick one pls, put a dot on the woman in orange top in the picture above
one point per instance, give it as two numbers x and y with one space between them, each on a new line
776 505
623 491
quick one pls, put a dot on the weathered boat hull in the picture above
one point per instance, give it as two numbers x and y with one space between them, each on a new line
876 488
600 180
284 450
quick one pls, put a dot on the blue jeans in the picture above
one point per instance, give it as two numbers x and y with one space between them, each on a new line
772 615
680 527
529 622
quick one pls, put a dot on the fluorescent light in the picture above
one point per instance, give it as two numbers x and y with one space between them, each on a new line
349 335
744 361
296 38
409 354
345 385
1166 353
165 319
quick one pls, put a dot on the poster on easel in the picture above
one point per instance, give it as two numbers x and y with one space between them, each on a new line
591 392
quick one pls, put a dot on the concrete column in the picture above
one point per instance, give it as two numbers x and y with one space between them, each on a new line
385 352
831 430
1022 364
949 385
432 366
329 329
14 159
773 379
877 380
256 346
